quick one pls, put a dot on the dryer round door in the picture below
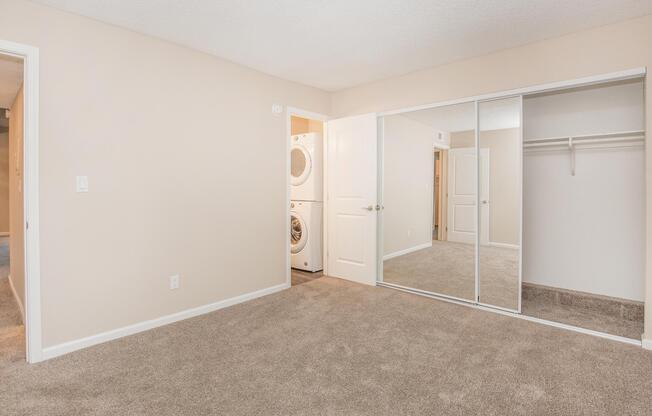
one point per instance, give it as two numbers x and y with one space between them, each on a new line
298 233
300 164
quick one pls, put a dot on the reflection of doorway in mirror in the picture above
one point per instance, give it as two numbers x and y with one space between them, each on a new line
439 196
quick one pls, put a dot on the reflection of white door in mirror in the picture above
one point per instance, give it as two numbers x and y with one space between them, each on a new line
462 194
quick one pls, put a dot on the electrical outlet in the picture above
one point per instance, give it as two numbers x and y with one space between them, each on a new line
174 282
82 183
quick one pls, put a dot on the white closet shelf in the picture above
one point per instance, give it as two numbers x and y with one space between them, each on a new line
619 136
635 138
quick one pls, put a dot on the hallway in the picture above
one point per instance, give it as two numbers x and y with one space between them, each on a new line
12 330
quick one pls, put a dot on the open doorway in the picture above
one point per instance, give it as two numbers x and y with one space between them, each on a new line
439 196
306 194
12 242
19 84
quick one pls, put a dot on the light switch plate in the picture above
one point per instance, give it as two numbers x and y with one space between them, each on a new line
82 183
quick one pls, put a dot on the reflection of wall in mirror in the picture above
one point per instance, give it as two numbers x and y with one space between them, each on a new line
408 170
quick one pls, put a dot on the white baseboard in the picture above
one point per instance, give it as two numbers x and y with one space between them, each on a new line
647 344
70 346
18 300
502 245
407 250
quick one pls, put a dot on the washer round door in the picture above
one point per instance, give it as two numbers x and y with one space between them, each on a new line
298 233
300 164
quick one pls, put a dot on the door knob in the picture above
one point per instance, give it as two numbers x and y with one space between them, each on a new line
369 208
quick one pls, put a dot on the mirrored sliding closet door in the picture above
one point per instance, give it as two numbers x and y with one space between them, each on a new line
499 188
451 191
429 167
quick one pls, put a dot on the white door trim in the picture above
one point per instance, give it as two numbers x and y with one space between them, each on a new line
33 330
292 111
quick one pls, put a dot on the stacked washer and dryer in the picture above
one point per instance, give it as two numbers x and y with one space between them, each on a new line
306 206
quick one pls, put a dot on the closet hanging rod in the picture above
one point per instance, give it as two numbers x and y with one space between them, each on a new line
629 138
618 134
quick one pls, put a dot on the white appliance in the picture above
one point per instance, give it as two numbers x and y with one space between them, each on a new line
306 235
306 172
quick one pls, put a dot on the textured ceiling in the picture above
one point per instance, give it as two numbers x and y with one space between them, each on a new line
334 44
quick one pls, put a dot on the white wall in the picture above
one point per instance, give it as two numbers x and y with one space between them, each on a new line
186 165
585 232
408 184
610 108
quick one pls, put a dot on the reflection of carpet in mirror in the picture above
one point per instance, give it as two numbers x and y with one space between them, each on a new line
448 268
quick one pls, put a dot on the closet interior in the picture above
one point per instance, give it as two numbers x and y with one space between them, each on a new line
584 207
532 204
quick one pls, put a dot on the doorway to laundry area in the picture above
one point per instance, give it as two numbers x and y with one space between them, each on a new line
305 191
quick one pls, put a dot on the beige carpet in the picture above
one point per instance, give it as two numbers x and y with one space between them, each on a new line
329 347
615 316
449 268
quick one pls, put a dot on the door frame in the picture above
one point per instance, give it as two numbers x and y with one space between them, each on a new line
33 324
289 112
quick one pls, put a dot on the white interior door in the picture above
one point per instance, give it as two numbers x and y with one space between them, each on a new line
462 194
352 198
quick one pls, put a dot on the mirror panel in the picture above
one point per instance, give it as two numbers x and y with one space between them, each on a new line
499 190
429 197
